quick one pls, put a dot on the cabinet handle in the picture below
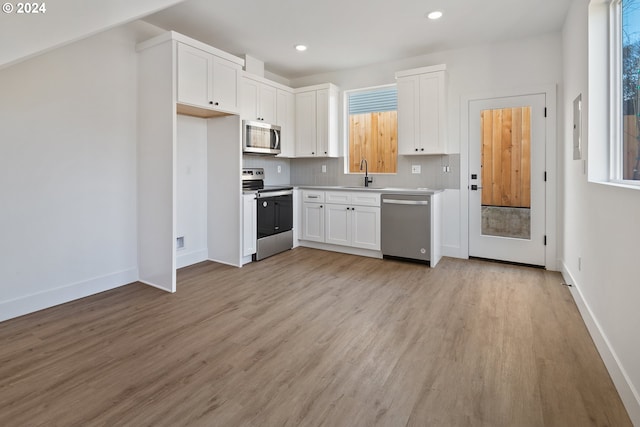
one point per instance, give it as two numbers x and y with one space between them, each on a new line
321 206
210 102
422 149
353 209
313 152
217 103
348 208
416 149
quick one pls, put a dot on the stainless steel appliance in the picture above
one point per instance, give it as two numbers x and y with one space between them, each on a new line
406 226
275 214
260 138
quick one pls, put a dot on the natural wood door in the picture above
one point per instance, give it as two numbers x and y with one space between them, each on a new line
506 157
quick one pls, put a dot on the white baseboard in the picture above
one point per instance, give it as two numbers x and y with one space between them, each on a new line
628 393
342 249
452 252
46 299
189 258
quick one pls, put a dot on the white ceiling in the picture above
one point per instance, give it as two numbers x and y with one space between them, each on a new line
345 34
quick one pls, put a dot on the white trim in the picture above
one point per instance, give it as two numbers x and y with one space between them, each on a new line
629 395
191 257
342 249
614 59
421 70
551 204
172 35
49 298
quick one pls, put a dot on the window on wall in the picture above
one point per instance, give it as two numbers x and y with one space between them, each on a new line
372 127
626 153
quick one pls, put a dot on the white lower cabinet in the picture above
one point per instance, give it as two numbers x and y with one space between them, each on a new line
249 224
365 227
341 218
356 226
313 222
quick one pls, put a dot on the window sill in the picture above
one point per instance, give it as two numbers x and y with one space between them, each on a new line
619 184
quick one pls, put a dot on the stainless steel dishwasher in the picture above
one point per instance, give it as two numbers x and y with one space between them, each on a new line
406 226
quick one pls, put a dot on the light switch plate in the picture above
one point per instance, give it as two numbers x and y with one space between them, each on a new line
416 169
324 168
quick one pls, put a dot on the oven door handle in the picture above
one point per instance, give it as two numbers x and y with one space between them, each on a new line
268 194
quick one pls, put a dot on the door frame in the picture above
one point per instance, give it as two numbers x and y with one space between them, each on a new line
551 148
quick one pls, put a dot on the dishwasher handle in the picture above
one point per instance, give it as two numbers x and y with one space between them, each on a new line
405 202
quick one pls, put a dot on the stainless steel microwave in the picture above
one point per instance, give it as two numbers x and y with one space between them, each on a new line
260 138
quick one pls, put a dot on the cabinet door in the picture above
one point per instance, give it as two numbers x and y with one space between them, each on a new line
194 76
225 85
306 124
248 99
337 225
408 115
249 224
267 104
322 122
431 109
313 222
286 119
365 227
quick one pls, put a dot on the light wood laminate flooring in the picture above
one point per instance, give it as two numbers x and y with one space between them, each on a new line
313 338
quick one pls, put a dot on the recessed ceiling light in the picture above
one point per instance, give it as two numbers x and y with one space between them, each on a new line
436 14
300 47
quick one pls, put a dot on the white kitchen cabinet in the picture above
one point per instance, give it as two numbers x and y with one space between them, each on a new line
206 81
422 111
337 224
317 121
258 100
286 119
313 222
353 219
312 216
249 224
365 227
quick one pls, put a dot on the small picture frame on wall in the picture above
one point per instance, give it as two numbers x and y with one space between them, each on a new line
577 128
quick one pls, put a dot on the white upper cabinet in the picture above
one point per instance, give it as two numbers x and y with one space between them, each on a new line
206 81
317 121
286 119
258 100
422 111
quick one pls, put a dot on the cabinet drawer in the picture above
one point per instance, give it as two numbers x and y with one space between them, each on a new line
338 197
312 196
356 198
365 198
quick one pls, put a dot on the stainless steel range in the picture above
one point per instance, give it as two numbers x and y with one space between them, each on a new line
275 213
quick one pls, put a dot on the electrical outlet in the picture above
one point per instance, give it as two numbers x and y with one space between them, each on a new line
180 242
324 168
279 169
416 169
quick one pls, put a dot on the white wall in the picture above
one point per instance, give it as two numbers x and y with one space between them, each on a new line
66 21
496 68
191 221
600 227
68 172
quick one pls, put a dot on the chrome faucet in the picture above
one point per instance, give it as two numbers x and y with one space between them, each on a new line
367 180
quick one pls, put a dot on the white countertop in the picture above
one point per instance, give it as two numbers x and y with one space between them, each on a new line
401 190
